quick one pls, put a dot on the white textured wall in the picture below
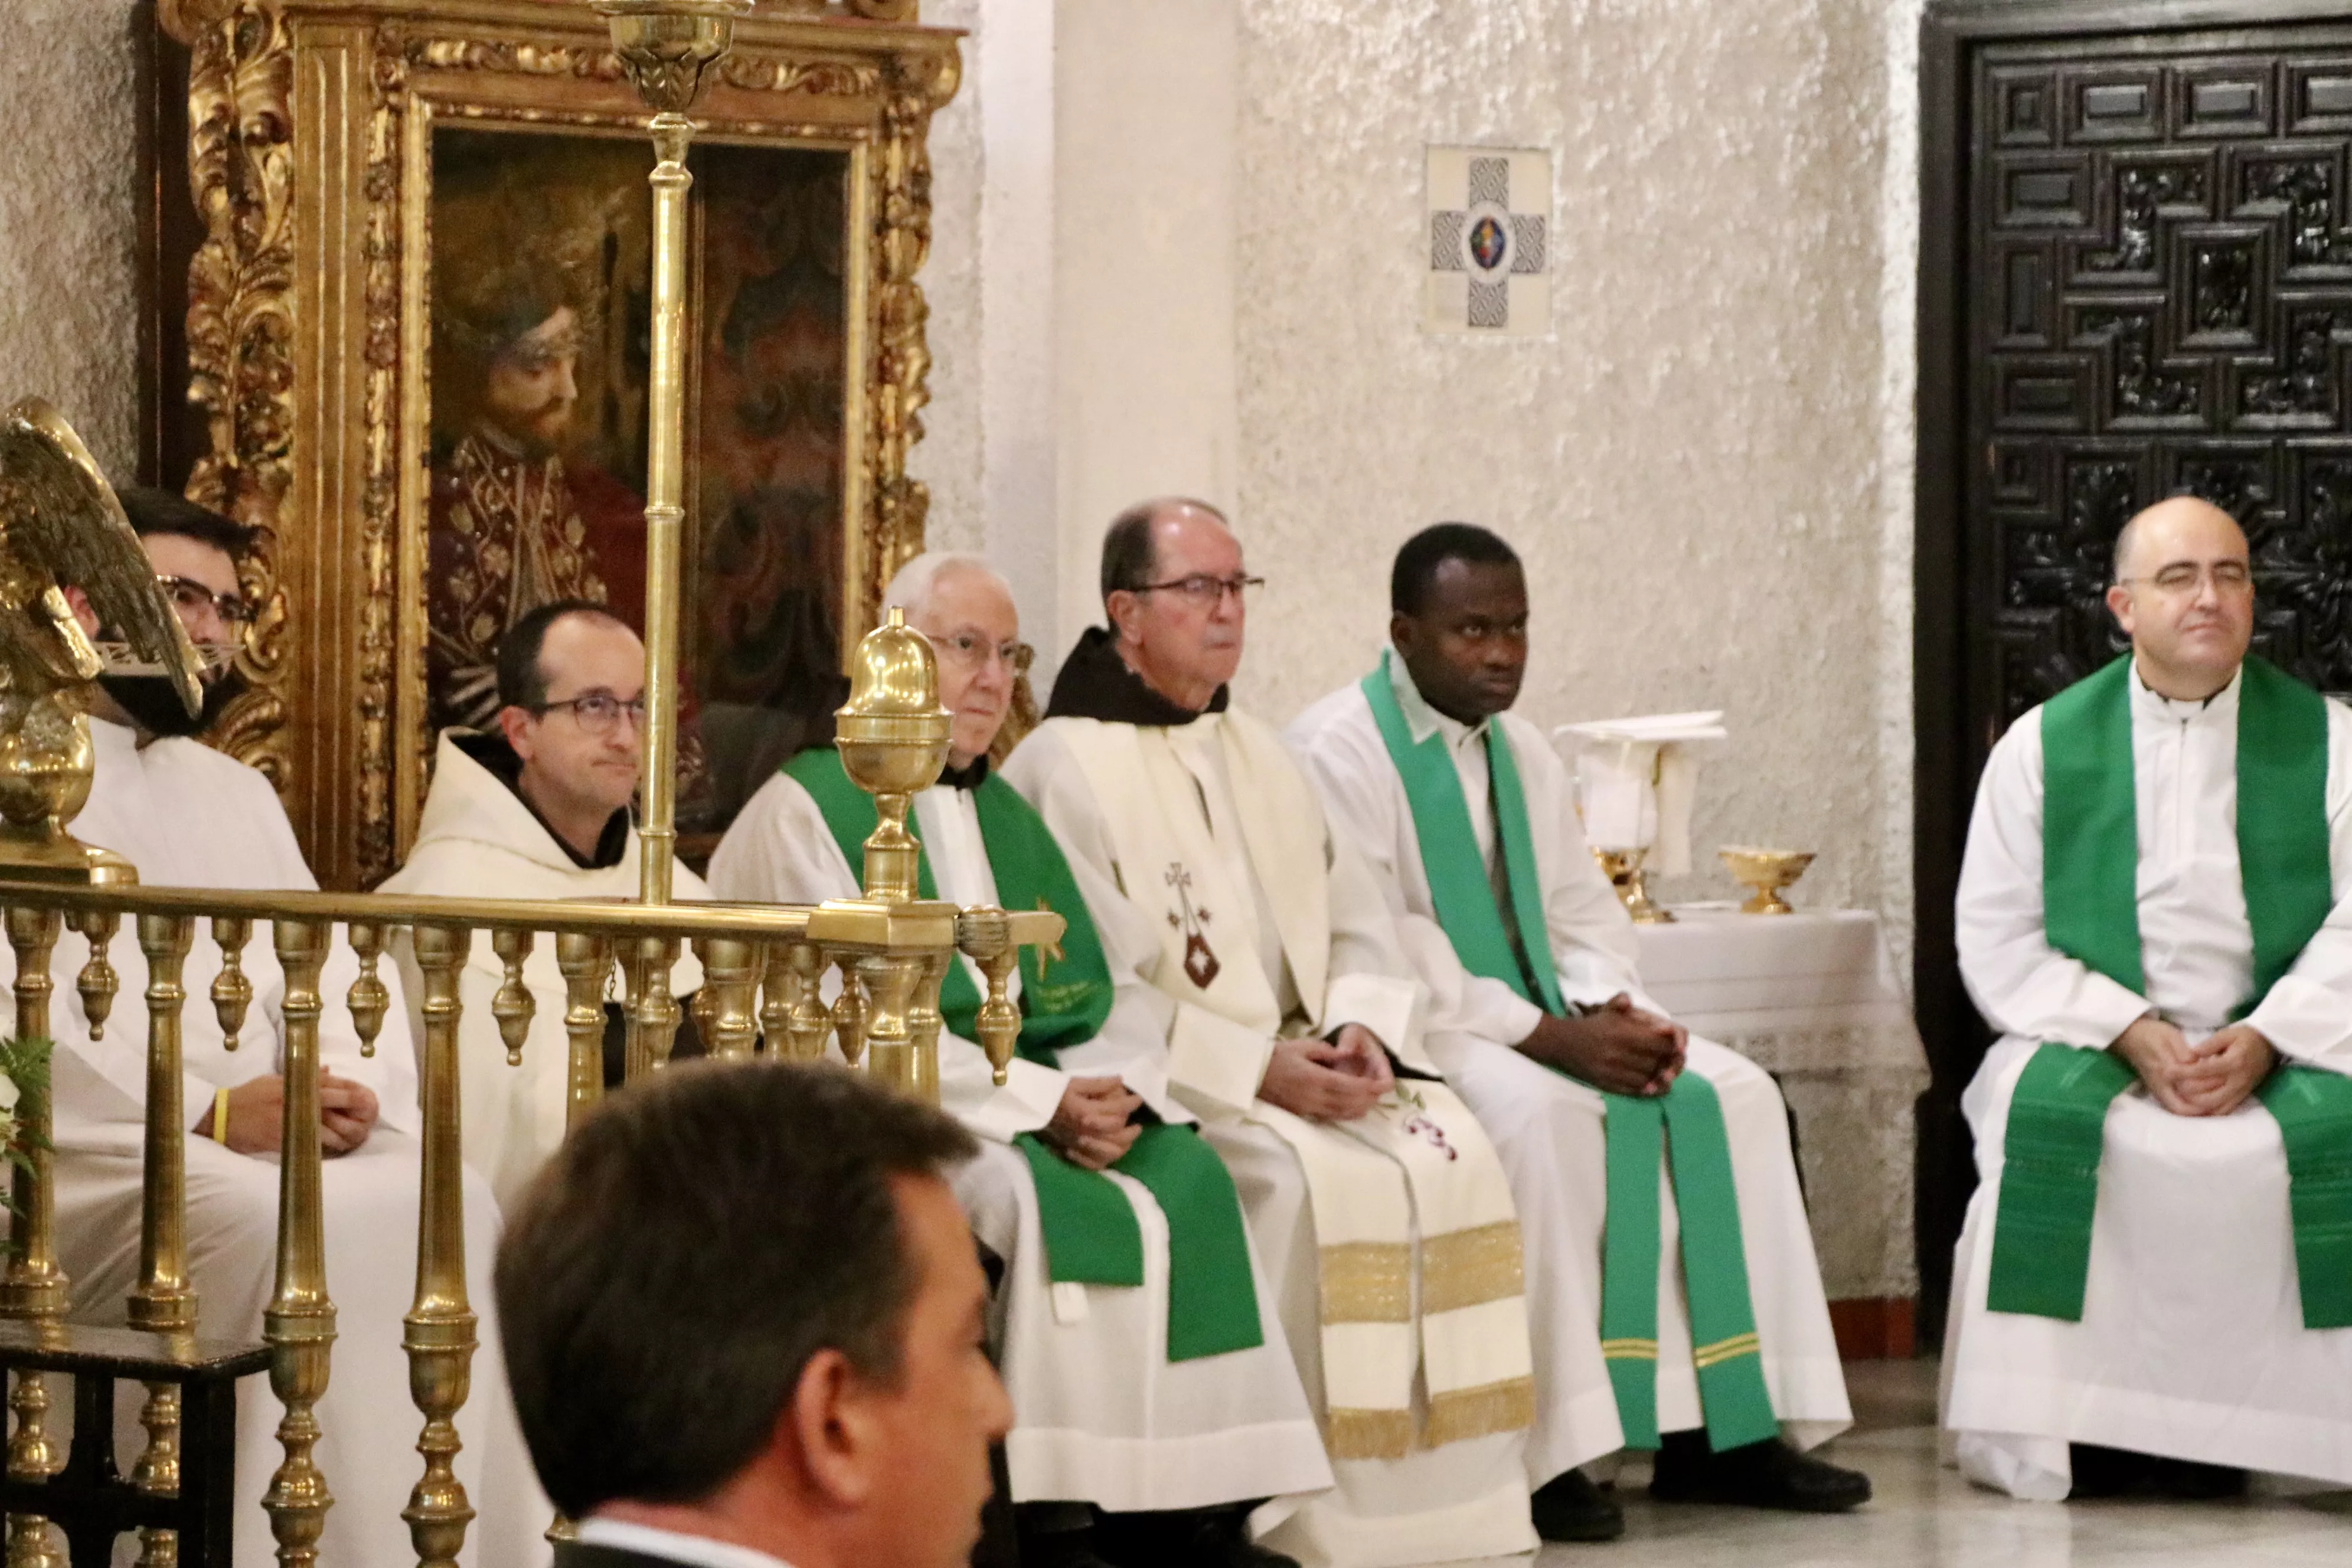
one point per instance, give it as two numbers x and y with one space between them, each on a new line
1693 465
69 222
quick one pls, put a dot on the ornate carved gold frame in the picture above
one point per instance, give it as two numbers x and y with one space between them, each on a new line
308 136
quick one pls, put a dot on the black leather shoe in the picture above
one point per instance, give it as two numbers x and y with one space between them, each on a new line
2100 1473
1770 1474
1057 1535
1568 1506
2191 1482
1188 1538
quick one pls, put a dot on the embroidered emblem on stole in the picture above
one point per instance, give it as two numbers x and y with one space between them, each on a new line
1201 963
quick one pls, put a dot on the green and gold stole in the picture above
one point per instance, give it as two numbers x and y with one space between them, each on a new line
2090 897
1723 1323
1091 1234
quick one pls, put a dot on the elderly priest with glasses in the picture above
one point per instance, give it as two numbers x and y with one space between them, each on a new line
538 808
2153 1289
1292 1029
1153 1395
186 815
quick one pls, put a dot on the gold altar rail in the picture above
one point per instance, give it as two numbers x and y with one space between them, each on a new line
763 969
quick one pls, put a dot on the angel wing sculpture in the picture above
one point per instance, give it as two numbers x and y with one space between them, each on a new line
60 525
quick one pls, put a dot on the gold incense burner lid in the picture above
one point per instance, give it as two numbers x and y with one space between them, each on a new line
665 46
892 732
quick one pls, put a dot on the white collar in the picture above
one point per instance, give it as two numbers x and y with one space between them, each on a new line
700 1551
2221 708
1422 720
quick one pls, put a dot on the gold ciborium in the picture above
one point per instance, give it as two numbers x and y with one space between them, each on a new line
1623 869
893 738
1767 871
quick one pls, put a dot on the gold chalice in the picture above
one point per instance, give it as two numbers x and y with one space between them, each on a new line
1623 869
1767 871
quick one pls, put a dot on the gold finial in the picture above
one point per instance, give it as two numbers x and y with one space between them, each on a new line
893 736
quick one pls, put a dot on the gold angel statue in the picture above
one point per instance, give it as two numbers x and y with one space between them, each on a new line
60 525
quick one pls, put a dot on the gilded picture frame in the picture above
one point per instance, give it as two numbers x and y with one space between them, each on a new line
311 309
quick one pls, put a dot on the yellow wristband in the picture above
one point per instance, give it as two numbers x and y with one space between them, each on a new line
220 1117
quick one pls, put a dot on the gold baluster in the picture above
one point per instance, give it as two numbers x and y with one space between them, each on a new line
232 991
98 982
653 1009
981 932
369 999
809 1022
439 1328
890 980
777 994
729 977
586 962
164 1302
848 1016
923 1026
513 1005
637 1055
299 1323
34 1288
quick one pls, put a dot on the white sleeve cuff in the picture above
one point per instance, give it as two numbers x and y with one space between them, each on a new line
1380 1004
1213 1058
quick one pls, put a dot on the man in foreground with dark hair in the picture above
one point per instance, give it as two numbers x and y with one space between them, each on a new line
746 1323
1725 1366
186 815
538 808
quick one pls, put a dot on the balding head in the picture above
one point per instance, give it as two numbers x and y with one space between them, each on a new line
1130 552
2184 594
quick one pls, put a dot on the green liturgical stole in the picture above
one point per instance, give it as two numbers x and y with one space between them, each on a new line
2090 881
1725 1350
1091 1234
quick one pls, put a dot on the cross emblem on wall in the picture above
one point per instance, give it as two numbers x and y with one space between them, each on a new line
1489 242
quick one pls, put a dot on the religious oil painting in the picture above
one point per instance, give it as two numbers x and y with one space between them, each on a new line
541 327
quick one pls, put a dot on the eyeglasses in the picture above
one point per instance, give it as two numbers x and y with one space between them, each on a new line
190 597
2187 577
1204 590
970 652
599 712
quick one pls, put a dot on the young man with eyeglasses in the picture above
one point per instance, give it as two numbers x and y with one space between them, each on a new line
539 808
1153 1400
2154 1288
187 815
1290 1024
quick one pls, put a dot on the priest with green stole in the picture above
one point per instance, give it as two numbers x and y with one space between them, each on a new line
1676 1300
1293 1028
1153 1395
2154 1288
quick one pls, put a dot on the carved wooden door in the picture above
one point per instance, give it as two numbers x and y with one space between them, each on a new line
2161 287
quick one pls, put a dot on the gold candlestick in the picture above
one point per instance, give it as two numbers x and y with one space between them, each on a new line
668 48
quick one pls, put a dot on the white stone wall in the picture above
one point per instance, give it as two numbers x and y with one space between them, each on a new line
68 218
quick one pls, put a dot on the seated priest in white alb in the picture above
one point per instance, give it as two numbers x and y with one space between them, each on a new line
538 808
2154 1288
1292 1031
186 815
1153 1395
1721 1359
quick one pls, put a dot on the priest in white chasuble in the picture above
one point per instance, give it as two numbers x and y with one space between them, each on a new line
1676 1302
538 808
186 816
1154 1396
2154 1287
1292 1031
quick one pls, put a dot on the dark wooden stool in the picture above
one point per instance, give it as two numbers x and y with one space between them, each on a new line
89 1499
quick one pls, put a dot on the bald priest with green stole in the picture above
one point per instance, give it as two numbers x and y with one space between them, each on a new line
2154 1288
1674 1292
1153 1393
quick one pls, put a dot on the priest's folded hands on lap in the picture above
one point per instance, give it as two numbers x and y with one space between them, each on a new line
1340 1080
1617 1048
256 1109
1092 1128
2211 1077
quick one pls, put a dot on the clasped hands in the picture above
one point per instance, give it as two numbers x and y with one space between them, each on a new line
1617 1048
256 1115
2211 1077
